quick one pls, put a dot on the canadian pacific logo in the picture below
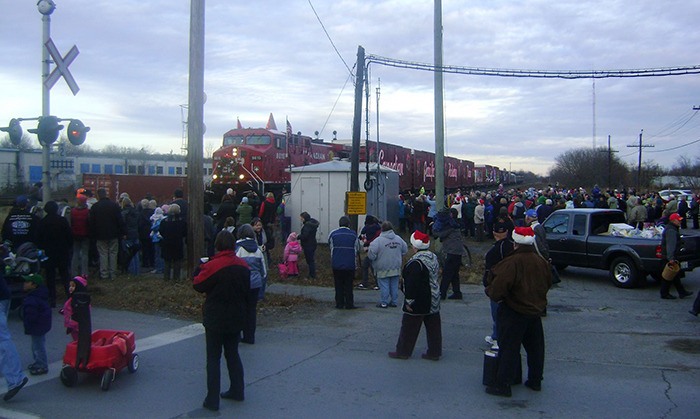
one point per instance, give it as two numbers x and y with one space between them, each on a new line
396 164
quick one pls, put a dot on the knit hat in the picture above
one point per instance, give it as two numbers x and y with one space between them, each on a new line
244 200
292 237
524 235
35 278
420 241
80 280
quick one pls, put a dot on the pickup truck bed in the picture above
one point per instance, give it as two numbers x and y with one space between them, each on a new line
578 237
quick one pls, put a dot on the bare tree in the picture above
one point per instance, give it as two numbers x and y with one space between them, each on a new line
687 172
587 167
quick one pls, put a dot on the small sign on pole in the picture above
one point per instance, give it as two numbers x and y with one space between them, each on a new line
356 203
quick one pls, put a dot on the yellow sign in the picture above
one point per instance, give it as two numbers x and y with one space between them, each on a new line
356 203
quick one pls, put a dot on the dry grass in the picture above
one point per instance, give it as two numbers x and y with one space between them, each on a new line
150 294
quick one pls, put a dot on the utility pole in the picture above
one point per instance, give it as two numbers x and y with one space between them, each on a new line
195 136
356 129
439 110
609 151
639 164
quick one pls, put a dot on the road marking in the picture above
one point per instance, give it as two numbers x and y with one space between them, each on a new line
142 345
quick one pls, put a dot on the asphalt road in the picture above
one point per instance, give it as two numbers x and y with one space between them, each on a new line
611 353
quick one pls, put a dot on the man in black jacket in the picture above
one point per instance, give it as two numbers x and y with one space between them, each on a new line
56 239
20 226
670 244
107 227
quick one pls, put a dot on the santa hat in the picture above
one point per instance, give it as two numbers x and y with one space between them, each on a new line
524 235
420 241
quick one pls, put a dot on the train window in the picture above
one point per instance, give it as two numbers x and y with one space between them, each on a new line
95 168
233 140
159 170
84 168
109 169
258 140
171 171
178 170
132 169
280 143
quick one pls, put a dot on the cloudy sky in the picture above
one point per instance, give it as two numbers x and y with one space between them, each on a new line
272 56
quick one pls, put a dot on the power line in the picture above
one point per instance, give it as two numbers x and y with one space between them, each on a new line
562 74
329 38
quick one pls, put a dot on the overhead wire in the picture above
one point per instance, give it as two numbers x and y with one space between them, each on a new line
329 38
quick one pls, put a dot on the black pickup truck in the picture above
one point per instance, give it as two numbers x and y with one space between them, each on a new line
579 237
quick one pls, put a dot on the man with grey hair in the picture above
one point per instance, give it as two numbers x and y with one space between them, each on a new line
386 253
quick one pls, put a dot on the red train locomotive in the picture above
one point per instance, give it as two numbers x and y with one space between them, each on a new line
256 158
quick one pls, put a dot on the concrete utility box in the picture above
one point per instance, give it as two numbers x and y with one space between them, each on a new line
319 189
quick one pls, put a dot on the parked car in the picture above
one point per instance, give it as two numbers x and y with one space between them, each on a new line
666 193
580 237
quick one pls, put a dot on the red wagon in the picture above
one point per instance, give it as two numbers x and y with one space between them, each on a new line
110 351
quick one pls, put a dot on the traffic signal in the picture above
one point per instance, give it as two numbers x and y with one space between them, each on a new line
77 132
15 131
47 130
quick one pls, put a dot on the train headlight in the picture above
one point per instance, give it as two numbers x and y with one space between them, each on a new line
241 176
234 152
214 176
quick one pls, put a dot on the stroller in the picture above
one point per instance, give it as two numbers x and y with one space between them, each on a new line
102 352
26 261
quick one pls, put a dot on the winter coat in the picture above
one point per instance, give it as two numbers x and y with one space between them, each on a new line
307 235
450 234
268 210
421 284
245 214
55 237
79 222
344 247
292 251
248 250
173 229
225 279
225 210
670 242
479 214
37 313
106 222
19 227
131 221
386 253
521 281
144 223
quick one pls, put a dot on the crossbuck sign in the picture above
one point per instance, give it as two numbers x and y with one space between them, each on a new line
61 69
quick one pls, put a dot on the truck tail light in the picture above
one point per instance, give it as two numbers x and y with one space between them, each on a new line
658 251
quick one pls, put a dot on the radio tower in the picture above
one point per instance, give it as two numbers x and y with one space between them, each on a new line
594 114
183 118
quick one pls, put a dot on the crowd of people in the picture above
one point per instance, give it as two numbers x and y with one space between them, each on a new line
150 237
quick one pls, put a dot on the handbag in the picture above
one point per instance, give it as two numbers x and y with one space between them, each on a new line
670 270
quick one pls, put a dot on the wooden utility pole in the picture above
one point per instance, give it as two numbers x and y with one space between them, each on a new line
357 130
639 164
609 151
195 138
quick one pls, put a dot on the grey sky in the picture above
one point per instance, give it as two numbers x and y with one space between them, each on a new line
273 56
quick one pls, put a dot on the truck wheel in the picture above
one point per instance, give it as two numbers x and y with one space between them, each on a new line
623 272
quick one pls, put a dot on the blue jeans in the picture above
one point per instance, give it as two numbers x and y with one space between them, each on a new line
39 351
389 289
159 265
494 315
10 363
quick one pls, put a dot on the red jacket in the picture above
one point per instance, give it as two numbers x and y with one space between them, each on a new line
79 223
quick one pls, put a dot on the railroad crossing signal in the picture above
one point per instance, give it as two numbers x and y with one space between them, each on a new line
47 130
61 69
77 132
15 131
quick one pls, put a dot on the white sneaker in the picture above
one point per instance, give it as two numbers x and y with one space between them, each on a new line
489 340
495 347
